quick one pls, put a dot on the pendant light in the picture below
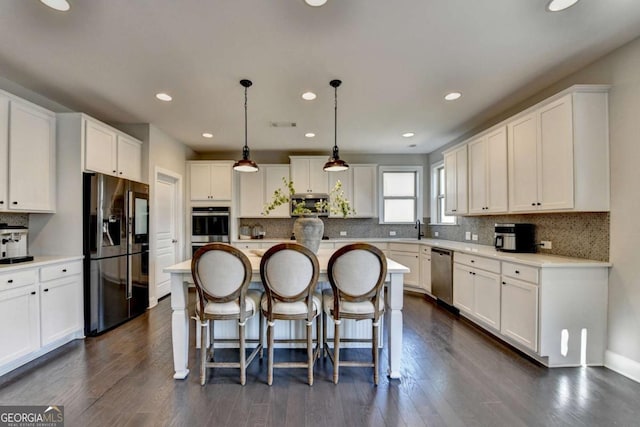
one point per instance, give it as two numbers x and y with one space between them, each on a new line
335 164
246 164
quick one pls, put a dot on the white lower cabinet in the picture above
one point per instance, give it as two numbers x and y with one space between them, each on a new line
425 268
476 288
407 255
60 307
520 312
19 323
40 309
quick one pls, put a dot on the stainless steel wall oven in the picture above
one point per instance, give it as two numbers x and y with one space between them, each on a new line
209 224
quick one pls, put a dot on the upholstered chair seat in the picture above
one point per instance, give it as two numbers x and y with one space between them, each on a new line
356 274
289 275
221 274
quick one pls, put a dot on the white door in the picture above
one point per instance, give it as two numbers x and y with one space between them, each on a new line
167 206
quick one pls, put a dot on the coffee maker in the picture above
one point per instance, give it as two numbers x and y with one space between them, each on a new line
13 244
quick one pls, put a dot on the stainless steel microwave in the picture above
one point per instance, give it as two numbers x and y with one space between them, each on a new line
310 201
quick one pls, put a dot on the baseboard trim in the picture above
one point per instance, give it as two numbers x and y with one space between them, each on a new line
622 365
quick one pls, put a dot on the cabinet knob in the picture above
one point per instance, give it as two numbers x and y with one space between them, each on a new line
33 292
1 202
15 203
115 171
533 204
46 290
473 260
120 173
538 203
64 270
504 283
517 271
10 281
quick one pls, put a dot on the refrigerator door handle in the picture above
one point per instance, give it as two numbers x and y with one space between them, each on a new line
129 278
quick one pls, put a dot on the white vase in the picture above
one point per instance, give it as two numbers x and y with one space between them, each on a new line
308 231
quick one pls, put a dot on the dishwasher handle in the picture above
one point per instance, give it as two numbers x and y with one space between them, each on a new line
442 252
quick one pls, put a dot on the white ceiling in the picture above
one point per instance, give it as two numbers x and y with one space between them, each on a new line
397 59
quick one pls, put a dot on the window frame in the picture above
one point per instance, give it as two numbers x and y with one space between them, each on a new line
436 198
418 194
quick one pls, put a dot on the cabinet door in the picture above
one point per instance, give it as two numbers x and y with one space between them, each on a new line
364 198
200 178
129 158
463 288
487 297
60 308
221 181
19 323
455 172
251 192
273 175
523 164
497 192
478 162
299 171
318 178
101 149
32 158
555 169
4 153
519 313
425 271
411 261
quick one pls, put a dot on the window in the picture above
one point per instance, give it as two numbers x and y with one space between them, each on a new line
438 195
400 195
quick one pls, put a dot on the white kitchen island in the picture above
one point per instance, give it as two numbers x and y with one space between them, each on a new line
181 278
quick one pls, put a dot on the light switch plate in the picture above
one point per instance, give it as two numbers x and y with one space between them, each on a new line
467 235
474 237
392 233
343 233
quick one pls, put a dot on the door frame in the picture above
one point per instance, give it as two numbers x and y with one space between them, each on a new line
162 174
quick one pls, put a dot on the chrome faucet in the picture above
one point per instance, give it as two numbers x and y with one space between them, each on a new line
420 233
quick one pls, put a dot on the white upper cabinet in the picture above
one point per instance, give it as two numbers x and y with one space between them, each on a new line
488 173
255 189
559 154
364 196
129 158
28 157
455 172
307 174
111 152
210 181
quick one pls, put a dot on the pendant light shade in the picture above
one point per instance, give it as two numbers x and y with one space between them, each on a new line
335 164
246 164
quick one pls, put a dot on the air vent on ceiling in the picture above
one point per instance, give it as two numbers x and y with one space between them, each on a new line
283 124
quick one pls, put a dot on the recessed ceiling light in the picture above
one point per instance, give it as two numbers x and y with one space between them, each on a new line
207 135
309 96
452 96
315 3
61 5
408 134
164 96
558 5
309 134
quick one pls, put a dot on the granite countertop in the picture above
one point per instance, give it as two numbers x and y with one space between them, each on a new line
535 260
38 261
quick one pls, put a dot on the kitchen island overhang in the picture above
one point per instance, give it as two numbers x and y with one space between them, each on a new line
181 279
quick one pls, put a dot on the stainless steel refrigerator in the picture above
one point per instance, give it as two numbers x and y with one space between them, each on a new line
116 251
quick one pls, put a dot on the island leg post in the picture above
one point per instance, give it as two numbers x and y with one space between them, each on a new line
395 324
179 326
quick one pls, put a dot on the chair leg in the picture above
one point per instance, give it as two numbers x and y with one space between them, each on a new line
203 352
211 339
270 354
336 351
243 355
261 332
374 344
318 339
324 334
310 352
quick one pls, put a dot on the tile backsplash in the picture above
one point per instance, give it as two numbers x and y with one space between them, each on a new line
580 235
14 219
280 228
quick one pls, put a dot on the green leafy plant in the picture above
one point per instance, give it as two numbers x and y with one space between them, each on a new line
337 203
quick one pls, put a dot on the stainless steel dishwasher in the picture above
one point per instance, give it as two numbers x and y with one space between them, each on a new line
442 274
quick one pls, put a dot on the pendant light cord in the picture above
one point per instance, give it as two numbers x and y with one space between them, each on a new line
245 117
335 118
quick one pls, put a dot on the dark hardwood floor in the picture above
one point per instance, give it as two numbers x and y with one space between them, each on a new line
453 375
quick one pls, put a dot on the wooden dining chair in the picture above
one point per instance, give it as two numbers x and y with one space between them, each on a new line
221 274
356 274
289 275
